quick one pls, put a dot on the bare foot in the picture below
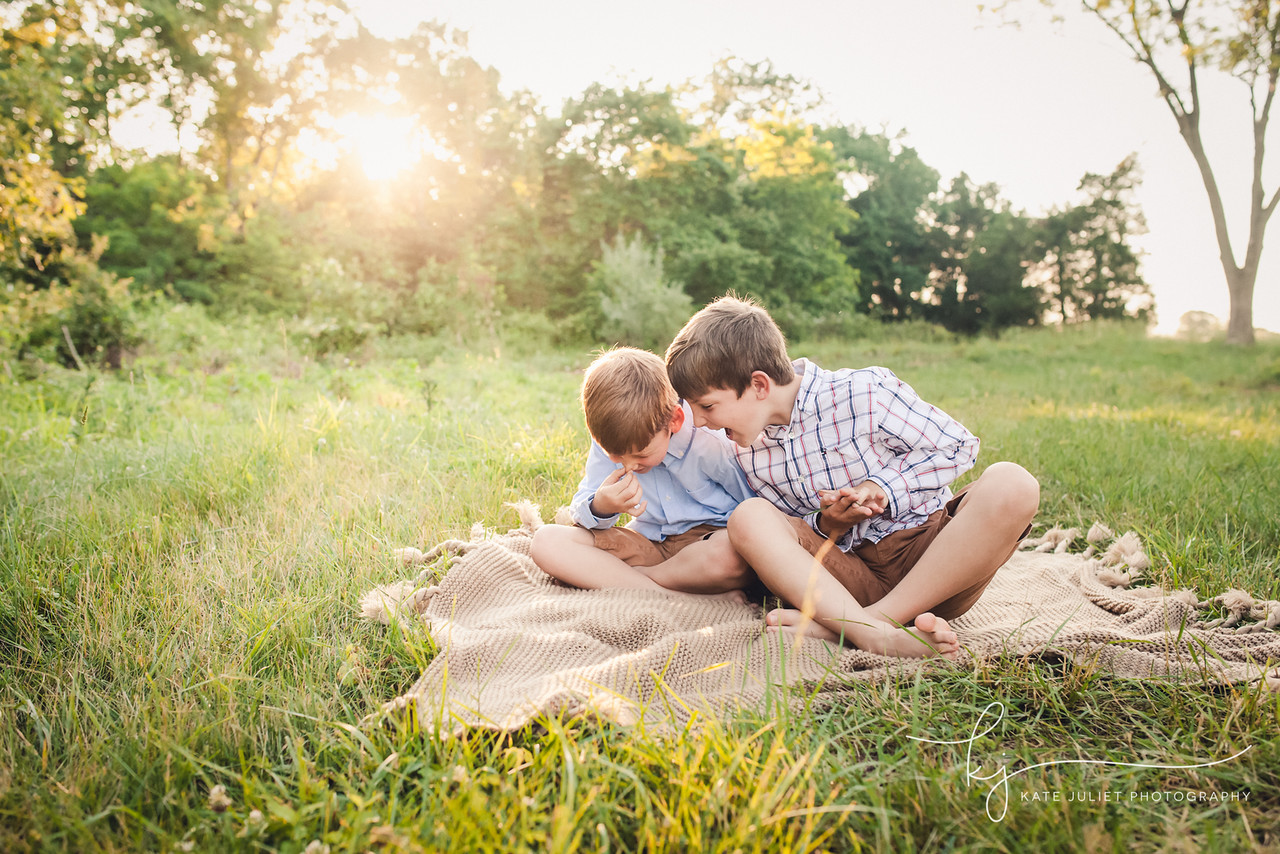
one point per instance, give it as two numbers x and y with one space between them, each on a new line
931 635
795 623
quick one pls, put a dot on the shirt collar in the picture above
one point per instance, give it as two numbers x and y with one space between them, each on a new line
682 439
805 402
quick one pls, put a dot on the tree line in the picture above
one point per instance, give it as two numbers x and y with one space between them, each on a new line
609 217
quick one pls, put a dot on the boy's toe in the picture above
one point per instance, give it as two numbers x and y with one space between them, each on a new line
940 633
783 617
929 622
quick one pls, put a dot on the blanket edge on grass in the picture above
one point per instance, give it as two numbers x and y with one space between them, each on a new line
514 644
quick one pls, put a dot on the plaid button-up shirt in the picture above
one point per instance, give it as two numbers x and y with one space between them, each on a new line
851 426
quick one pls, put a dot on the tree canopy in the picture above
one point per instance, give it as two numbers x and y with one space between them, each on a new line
361 184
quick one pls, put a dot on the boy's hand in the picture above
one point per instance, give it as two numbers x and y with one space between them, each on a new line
619 493
845 507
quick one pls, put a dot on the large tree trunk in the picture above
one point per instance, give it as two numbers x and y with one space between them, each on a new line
1240 282
1131 27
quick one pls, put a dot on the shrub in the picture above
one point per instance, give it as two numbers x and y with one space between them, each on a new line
425 307
526 332
339 313
164 226
848 325
264 268
88 321
637 306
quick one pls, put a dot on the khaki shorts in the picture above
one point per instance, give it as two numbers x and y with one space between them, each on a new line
635 549
873 569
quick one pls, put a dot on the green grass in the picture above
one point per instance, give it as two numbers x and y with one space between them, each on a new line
182 546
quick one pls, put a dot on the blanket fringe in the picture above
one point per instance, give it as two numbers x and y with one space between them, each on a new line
530 515
387 602
1125 562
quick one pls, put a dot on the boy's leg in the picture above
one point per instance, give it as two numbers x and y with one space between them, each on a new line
701 561
994 513
621 557
768 541
570 554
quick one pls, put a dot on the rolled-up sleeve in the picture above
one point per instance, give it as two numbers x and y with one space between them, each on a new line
599 466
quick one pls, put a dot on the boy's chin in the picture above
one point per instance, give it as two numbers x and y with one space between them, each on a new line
737 438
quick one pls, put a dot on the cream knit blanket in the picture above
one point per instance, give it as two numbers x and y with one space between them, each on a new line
514 644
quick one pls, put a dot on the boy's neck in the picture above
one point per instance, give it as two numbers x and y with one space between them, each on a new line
782 399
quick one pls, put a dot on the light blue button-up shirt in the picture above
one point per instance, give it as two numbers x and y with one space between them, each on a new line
699 482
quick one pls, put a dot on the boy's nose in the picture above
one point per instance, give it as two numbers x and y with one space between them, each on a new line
698 420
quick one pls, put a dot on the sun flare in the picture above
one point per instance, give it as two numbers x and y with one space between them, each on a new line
384 145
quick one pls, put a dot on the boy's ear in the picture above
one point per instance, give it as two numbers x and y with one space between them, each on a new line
677 419
761 384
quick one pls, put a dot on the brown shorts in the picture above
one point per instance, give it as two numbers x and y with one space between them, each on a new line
873 569
635 549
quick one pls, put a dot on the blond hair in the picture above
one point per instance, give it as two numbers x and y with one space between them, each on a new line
723 345
627 399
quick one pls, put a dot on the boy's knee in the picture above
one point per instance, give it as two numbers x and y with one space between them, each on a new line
539 544
746 518
756 524
1016 489
546 542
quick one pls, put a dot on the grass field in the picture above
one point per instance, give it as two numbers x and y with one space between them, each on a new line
182 546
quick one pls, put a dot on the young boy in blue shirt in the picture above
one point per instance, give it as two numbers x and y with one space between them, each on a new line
679 483
856 525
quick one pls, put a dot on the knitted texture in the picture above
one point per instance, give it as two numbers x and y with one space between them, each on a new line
513 643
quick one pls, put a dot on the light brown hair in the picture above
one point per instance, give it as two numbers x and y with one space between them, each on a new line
723 345
627 399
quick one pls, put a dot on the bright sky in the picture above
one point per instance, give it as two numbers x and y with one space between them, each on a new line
1031 109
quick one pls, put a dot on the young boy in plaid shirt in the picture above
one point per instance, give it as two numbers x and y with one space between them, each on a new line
855 524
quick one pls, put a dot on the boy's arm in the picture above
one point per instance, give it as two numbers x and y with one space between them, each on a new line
929 449
599 467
